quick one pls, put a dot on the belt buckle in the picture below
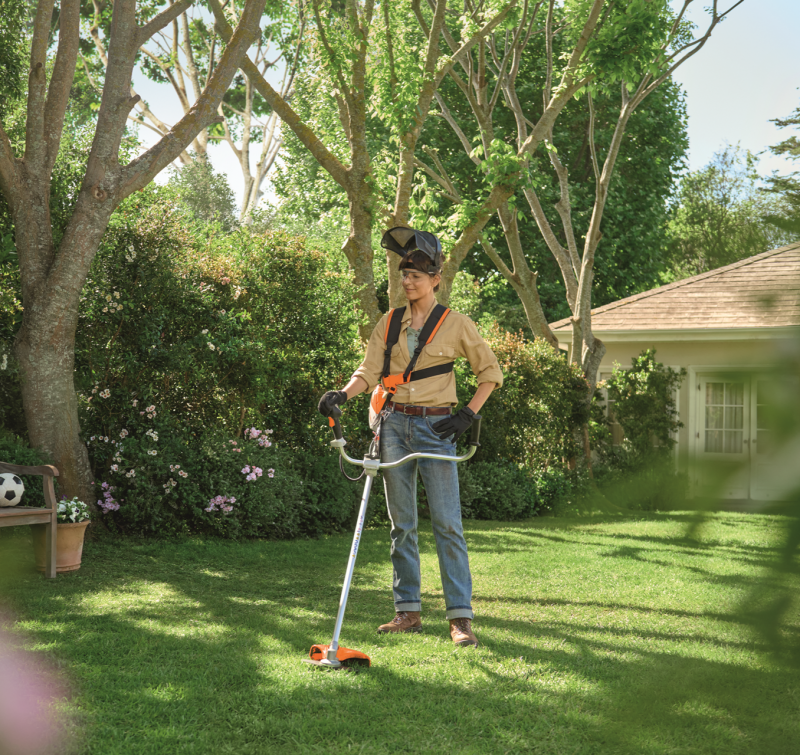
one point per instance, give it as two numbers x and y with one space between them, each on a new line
407 406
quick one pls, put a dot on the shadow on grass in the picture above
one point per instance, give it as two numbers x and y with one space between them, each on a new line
195 647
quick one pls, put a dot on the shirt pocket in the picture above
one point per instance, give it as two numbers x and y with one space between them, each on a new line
438 354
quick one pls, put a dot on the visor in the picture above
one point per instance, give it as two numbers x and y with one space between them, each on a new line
403 241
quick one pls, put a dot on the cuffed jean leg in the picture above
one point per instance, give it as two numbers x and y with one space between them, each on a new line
401 436
400 485
440 479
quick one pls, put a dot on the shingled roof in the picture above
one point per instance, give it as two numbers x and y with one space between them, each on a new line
759 292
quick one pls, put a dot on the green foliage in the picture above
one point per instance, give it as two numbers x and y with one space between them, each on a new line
13 50
787 187
719 216
644 405
14 450
496 490
627 43
531 420
561 491
204 194
195 339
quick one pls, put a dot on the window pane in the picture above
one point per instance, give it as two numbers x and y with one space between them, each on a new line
734 417
734 394
714 417
733 441
714 441
715 393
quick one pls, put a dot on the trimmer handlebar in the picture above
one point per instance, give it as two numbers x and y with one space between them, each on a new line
373 465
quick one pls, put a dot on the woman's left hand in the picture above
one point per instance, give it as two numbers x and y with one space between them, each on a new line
456 425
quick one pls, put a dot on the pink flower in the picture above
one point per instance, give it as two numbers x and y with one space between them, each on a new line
257 471
246 470
264 442
270 473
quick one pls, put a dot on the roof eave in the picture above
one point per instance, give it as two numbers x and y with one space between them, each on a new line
687 334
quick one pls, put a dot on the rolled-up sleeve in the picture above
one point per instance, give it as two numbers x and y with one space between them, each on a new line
481 358
371 368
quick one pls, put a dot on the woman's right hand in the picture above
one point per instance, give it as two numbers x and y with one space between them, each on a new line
329 400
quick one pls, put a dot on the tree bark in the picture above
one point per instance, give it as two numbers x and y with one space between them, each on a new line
53 277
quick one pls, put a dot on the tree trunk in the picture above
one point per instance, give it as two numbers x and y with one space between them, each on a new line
46 356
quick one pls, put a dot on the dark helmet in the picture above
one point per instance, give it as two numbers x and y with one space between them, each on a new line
403 241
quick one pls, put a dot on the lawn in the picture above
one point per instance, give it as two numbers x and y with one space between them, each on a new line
597 636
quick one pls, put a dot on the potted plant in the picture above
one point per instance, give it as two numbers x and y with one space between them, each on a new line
73 518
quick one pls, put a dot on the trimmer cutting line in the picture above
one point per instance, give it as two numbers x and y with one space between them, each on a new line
334 656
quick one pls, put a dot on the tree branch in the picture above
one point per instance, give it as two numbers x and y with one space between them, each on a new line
285 112
142 170
61 81
161 20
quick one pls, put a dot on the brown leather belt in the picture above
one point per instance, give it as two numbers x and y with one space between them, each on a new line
419 411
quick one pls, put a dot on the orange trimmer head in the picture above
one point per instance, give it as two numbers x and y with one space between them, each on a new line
320 656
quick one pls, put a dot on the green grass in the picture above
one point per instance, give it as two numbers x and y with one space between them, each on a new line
597 636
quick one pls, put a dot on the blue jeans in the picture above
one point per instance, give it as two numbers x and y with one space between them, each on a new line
402 435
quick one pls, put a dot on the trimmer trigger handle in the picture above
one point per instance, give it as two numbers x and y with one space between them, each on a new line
333 421
475 431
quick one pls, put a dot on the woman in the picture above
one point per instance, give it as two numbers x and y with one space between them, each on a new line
419 418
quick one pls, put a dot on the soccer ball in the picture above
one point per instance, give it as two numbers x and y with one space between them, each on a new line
11 489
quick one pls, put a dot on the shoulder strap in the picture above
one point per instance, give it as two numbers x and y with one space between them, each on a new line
429 330
394 321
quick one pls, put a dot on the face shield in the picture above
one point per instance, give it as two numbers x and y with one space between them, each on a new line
403 241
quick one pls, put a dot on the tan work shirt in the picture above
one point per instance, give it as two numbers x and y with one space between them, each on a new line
457 337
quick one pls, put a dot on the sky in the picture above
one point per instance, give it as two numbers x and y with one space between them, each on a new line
747 74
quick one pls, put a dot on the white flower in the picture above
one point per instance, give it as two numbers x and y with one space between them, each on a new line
116 294
123 433
108 297
152 452
204 331
211 346
114 468
105 309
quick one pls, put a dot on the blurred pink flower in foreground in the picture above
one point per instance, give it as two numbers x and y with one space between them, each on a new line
27 692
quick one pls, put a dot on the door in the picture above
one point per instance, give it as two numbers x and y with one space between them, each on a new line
723 436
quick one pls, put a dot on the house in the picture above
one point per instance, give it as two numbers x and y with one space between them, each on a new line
729 328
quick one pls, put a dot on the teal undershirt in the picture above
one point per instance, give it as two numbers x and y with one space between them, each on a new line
413 340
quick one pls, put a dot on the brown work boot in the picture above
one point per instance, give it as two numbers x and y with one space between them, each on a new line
403 621
461 632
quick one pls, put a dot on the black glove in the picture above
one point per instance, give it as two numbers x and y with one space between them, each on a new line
456 425
329 400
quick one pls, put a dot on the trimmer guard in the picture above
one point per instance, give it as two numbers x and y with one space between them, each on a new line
345 656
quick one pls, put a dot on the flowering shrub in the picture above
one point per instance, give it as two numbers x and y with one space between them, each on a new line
71 511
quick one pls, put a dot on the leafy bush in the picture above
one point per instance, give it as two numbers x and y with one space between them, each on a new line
644 405
14 450
496 490
562 491
243 328
531 420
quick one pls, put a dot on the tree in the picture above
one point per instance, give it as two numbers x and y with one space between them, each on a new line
350 64
787 186
720 216
53 270
183 54
205 194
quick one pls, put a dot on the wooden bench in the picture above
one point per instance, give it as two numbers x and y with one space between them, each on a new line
14 516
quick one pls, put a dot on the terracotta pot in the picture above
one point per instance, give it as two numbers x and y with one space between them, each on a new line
69 545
